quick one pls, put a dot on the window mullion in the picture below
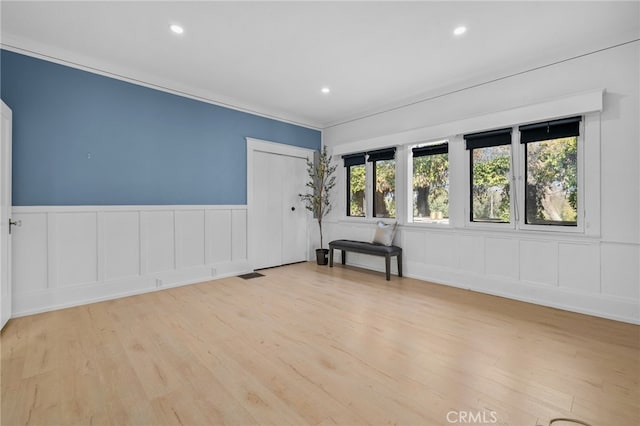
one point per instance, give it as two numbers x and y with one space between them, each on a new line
370 189
517 196
408 180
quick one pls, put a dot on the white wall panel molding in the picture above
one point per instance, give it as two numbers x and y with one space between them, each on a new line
597 272
71 255
567 271
601 305
578 103
131 208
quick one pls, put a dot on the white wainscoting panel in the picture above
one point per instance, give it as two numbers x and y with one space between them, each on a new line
620 262
539 262
439 249
190 235
570 272
239 233
121 236
30 243
414 245
158 242
218 226
471 253
579 267
77 248
501 256
66 256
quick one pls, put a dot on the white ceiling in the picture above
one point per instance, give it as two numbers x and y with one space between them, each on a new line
274 57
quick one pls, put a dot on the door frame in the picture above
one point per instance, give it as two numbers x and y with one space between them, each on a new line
269 147
5 216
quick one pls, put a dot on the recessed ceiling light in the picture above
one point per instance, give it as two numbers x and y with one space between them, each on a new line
325 90
176 29
460 30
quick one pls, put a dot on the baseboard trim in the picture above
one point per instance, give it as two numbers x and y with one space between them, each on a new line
599 305
67 297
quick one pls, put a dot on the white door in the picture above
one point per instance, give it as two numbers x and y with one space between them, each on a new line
294 215
266 211
5 216
278 219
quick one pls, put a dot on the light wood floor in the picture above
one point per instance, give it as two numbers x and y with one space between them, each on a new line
312 345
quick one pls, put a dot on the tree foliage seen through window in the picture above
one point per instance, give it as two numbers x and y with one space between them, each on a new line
431 187
552 185
385 199
357 190
490 191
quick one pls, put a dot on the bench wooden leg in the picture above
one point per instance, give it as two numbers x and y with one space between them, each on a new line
330 257
400 264
344 257
387 266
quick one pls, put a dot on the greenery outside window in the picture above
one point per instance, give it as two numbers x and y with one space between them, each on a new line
356 188
430 181
551 170
384 179
490 170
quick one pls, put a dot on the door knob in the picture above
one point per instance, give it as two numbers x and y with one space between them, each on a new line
293 209
14 223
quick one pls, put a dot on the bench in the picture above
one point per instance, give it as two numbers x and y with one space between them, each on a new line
367 248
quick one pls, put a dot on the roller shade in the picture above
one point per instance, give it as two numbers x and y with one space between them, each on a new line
441 148
563 128
353 159
382 154
487 139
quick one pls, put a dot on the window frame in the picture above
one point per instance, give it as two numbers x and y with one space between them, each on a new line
581 182
517 180
460 181
513 211
351 160
409 183
385 154
370 184
374 188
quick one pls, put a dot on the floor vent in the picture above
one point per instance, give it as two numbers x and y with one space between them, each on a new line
250 275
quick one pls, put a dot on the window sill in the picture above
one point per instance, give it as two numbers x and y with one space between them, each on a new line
367 220
510 231
498 230
428 225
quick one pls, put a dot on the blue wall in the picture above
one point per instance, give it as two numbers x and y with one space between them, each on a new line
85 139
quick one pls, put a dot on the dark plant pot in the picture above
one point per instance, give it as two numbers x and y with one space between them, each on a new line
321 256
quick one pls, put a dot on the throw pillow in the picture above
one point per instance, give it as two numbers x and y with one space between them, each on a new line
384 233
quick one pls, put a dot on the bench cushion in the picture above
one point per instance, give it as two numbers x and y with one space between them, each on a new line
364 247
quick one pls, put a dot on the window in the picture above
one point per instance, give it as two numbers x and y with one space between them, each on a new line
551 172
384 178
530 177
430 181
490 166
356 173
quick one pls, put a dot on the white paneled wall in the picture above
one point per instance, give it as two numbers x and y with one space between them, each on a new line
64 256
596 271
575 273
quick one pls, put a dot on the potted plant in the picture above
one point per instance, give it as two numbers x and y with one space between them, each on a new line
321 181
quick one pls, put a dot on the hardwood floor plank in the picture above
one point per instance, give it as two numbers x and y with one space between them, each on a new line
313 345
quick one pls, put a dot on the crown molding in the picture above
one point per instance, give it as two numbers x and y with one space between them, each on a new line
123 73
